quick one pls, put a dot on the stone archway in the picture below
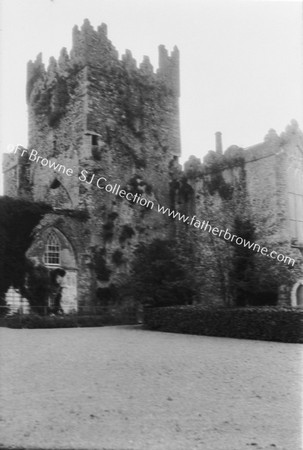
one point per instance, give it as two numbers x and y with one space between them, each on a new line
52 249
297 294
67 262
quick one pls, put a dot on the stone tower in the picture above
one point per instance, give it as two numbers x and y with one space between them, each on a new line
104 122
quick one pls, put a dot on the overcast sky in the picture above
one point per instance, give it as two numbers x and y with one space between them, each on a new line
240 61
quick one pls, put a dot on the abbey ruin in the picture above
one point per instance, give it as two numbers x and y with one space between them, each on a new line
111 123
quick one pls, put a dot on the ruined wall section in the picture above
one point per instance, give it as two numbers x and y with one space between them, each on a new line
251 186
220 196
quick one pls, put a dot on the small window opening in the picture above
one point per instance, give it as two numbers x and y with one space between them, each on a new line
27 172
55 184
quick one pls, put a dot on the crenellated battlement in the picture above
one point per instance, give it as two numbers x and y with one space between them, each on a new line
92 48
169 67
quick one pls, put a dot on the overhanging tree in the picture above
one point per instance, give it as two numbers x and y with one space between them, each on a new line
18 218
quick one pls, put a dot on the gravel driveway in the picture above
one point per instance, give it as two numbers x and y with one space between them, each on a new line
127 388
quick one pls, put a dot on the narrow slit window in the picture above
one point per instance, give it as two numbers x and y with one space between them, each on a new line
27 172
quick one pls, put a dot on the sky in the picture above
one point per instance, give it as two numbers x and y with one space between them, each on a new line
241 62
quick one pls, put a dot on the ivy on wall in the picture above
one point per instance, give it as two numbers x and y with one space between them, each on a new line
100 267
215 183
59 100
50 99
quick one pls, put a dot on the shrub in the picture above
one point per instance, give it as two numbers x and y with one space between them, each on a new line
69 321
18 218
37 321
37 286
253 279
267 323
161 275
106 295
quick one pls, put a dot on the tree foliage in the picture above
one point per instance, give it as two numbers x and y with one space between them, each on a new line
161 275
37 286
18 218
254 278
241 274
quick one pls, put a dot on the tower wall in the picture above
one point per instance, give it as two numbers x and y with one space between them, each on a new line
111 122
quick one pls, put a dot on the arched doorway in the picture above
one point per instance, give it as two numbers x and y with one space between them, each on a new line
300 295
297 294
54 250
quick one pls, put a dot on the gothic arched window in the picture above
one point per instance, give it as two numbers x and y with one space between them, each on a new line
52 251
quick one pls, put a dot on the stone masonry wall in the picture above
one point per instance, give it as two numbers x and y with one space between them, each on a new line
250 185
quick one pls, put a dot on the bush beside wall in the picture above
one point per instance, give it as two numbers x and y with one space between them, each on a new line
68 321
266 323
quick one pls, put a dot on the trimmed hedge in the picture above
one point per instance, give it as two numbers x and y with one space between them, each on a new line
68 321
264 323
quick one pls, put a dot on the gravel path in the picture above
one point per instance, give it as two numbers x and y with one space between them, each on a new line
126 388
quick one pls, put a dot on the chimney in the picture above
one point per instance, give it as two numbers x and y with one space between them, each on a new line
219 149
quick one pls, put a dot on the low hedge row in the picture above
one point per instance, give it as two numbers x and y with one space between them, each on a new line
263 323
68 321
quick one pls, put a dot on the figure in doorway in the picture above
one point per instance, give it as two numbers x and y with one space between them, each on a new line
57 277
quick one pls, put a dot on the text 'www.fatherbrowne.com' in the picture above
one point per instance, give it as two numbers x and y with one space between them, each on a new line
225 234
140 199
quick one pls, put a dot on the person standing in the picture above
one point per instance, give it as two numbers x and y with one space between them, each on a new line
57 277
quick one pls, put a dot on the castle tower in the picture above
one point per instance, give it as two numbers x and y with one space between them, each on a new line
105 122
92 105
